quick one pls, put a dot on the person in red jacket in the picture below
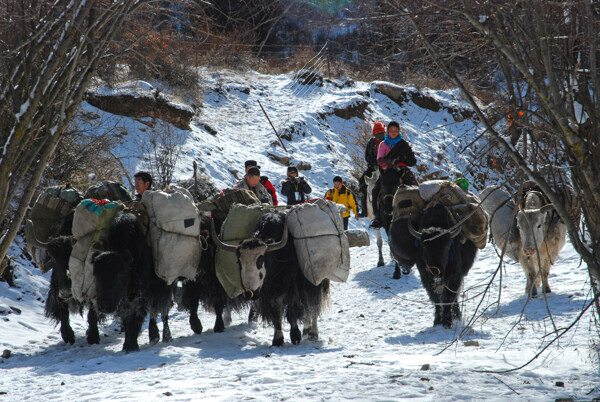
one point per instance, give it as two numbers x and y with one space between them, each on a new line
264 180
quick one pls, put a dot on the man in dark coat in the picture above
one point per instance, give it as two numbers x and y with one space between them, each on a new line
294 188
264 180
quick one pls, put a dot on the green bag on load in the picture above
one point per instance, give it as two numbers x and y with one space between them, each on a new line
106 216
48 214
239 225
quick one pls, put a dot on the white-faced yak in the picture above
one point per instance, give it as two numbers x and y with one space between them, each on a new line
271 275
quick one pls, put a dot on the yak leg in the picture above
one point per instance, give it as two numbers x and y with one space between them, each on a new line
219 323
252 314
92 333
166 334
530 287
545 284
311 328
57 309
195 323
437 319
381 262
277 319
66 332
152 329
133 326
295 334
397 274
449 301
227 315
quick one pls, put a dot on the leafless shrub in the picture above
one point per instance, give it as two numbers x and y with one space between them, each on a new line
160 150
356 142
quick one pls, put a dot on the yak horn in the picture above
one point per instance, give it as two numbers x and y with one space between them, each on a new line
414 231
218 242
281 243
546 208
30 235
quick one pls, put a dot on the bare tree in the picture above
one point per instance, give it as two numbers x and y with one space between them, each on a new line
161 148
546 75
49 52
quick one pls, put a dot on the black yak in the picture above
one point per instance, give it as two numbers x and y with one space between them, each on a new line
206 289
271 275
127 284
443 256
60 302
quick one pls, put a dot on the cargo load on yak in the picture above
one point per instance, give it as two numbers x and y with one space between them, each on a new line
239 225
414 199
220 205
90 226
108 190
462 204
408 201
48 215
174 232
321 244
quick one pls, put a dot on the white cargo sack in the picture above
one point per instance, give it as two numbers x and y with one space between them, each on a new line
83 283
358 238
429 188
174 233
321 244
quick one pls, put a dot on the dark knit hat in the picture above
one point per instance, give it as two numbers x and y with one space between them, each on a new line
250 163
338 179
291 169
253 171
378 127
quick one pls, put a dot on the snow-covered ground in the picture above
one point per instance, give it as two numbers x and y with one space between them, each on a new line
376 341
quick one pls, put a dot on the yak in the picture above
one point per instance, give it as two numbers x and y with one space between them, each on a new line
534 239
206 289
60 302
443 256
127 284
271 276
392 179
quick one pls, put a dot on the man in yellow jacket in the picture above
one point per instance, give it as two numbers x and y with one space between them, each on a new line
341 195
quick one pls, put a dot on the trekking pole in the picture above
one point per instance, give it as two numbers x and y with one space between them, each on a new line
273 127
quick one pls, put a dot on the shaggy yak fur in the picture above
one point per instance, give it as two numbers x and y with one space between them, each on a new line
205 288
282 289
60 303
127 284
534 239
443 262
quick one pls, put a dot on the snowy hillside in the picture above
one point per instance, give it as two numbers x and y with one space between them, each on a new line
376 341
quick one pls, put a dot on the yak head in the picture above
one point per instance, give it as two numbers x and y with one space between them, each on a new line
59 250
437 239
251 259
532 221
112 271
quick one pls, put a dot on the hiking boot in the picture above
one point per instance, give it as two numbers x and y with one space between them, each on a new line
376 223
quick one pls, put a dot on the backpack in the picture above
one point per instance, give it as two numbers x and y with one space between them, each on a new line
48 214
109 190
